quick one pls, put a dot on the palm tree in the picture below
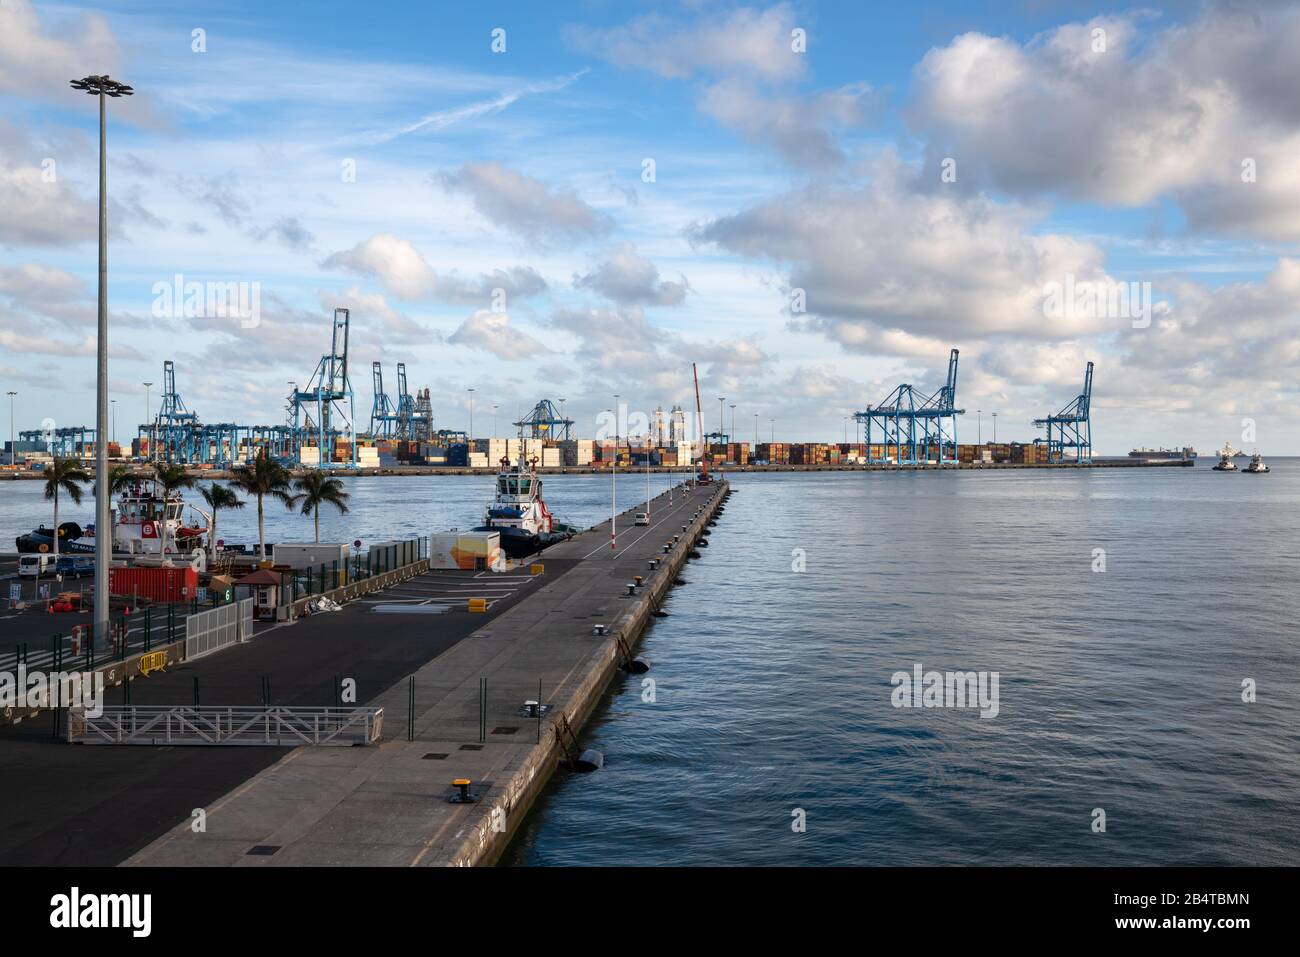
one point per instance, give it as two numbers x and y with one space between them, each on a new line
218 497
64 475
262 477
169 479
315 490
119 479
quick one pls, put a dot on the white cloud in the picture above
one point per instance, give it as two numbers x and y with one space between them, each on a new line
885 267
629 278
741 41
38 59
1173 115
492 332
394 261
526 206
802 130
372 316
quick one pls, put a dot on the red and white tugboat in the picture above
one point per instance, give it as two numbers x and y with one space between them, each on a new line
519 513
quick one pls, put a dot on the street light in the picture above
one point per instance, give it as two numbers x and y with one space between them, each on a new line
613 486
721 400
494 421
102 87
471 415
12 448
979 429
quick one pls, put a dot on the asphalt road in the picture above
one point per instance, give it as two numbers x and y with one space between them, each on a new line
93 805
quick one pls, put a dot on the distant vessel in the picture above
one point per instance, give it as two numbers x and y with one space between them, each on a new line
519 513
1256 466
1162 454
1225 463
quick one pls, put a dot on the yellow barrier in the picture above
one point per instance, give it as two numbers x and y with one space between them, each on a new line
154 661
478 604
536 568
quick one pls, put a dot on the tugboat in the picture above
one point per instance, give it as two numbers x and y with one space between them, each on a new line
519 514
1256 466
144 524
1225 463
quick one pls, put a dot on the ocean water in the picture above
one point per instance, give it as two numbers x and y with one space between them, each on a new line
380 508
1118 690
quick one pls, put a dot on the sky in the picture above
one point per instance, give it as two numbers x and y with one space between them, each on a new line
813 202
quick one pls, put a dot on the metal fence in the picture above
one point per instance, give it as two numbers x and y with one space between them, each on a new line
140 631
379 559
210 631
275 727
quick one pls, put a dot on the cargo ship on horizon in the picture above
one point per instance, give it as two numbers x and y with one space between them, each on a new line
1163 455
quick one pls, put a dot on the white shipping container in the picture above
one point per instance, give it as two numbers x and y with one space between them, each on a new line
442 550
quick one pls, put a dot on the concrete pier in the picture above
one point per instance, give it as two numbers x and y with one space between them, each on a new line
391 804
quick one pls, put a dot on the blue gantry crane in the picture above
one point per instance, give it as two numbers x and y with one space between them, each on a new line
383 414
67 442
174 430
1071 428
915 426
325 411
545 422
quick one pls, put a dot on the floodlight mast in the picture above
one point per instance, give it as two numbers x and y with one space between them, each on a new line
102 86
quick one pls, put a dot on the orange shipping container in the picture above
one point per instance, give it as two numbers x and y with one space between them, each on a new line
157 583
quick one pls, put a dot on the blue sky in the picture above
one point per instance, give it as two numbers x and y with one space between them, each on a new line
775 171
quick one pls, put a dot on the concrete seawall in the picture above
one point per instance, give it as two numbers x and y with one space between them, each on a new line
390 805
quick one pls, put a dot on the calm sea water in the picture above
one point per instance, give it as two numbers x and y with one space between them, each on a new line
1119 690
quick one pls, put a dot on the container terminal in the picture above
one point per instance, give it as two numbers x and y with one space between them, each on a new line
907 429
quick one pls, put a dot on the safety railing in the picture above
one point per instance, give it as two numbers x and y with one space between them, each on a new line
210 631
185 725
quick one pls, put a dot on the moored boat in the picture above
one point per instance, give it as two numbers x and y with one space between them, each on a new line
519 513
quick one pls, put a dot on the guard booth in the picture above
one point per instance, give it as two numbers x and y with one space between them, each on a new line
263 587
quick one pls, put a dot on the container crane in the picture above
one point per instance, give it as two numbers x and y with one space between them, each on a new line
1071 428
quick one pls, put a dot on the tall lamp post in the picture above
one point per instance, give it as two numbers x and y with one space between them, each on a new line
13 449
102 87
613 486
471 414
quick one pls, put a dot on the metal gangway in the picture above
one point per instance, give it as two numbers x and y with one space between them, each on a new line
186 724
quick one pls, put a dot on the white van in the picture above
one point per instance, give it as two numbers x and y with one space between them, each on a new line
29 566
641 518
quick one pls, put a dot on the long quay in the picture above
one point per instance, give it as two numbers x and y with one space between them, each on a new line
479 753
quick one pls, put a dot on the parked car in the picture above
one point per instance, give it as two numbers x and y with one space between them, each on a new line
641 519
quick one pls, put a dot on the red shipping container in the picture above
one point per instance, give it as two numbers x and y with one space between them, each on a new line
156 583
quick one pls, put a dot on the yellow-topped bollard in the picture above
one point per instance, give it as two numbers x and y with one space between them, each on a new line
478 604
536 568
